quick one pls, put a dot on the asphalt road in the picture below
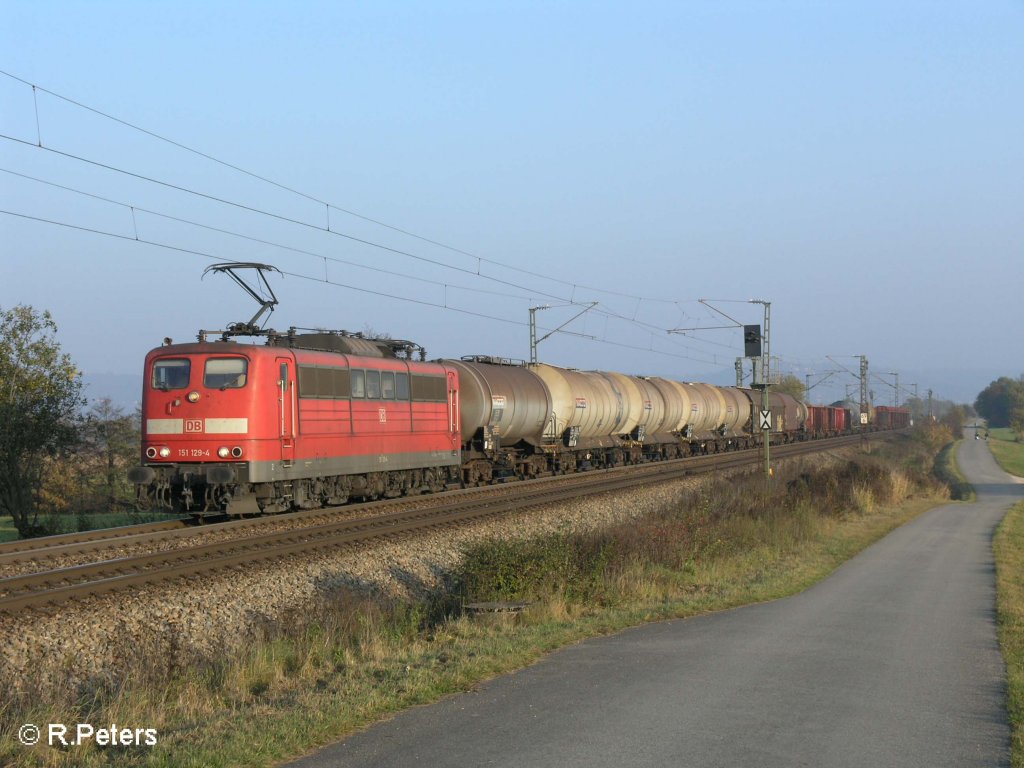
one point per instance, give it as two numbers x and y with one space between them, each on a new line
891 661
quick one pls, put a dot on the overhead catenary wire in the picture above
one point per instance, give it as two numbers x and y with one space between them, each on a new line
137 208
318 200
607 311
334 283
37 88
289 220
632 317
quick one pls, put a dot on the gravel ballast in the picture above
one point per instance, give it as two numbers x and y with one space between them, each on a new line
98 639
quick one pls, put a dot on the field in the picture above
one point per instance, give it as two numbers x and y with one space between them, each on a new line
1008 450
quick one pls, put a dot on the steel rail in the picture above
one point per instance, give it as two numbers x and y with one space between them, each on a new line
99 534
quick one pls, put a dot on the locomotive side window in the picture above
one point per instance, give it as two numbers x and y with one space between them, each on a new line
225 372
171 373
323 382
431 389
373 385
402 386
358 384
339 383
307 381
387 385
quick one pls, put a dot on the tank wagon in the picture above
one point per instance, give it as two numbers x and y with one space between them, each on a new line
321 418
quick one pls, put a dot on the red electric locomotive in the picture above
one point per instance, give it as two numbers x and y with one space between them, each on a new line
308 419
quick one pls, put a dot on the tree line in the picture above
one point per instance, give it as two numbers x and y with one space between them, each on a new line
56 455
1001 403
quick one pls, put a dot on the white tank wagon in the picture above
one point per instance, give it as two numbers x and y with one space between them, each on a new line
707 413
653 416
737 414
678 405
526 420
630 404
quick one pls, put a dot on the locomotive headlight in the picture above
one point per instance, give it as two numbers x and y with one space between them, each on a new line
223 452
193 396
151 452
236 452
165 452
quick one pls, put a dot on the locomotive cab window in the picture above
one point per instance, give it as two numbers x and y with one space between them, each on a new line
171 373
225 372
402 386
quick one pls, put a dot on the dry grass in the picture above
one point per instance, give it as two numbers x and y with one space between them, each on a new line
350 661
1009 552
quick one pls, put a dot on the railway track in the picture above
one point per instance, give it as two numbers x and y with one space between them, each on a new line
246 542
21 546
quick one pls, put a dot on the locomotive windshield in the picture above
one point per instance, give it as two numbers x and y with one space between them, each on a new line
171 373
225 372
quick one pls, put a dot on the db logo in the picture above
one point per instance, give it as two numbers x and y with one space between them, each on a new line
193 425
383 414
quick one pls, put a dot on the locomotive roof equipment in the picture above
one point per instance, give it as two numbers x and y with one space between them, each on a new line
320 340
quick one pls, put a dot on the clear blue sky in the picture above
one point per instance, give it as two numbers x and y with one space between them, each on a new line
860 165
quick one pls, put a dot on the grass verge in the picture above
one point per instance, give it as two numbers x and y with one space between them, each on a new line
1008 451
72 523
947 468
314 677
7 530
1009 553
